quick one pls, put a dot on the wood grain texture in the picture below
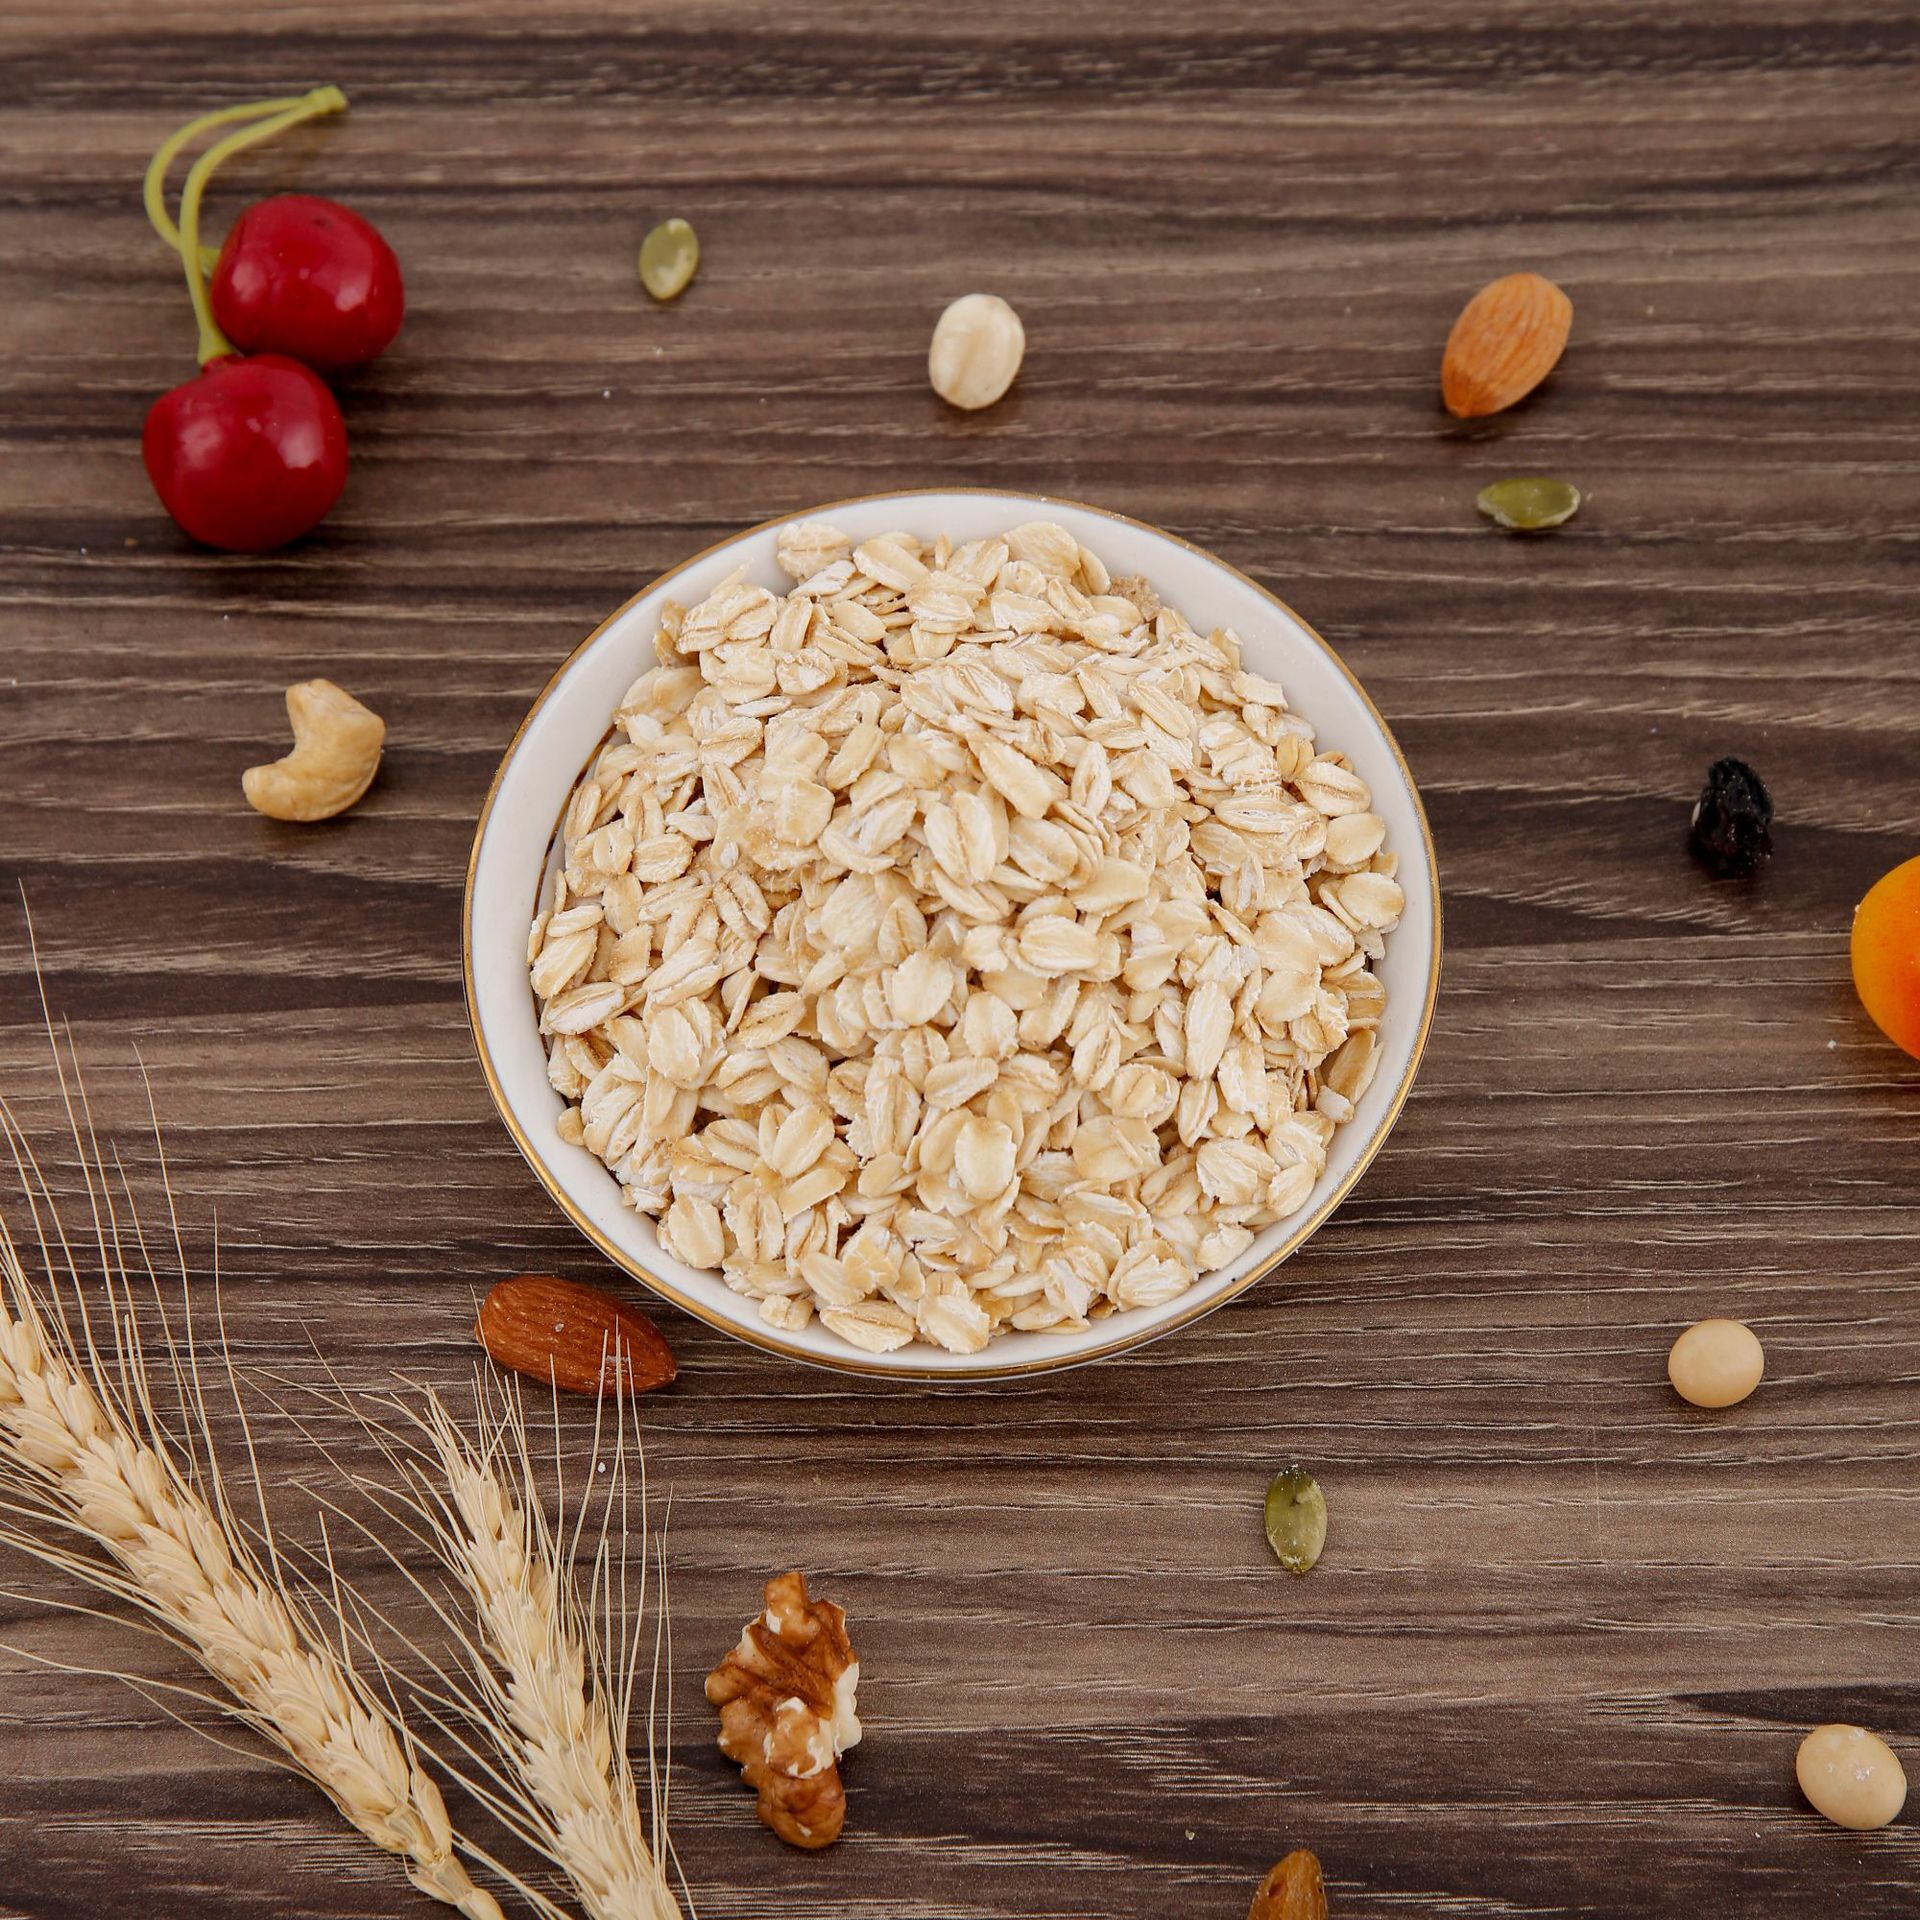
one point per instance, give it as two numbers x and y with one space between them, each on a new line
1567 1632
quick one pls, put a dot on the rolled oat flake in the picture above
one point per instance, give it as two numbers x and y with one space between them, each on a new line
1296 1519
1529 504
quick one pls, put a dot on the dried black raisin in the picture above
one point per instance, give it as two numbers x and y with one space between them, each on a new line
1732 831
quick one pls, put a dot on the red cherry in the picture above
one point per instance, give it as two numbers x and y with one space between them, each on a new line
249 454
309 278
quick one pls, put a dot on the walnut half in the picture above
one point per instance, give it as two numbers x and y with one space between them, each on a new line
786 1700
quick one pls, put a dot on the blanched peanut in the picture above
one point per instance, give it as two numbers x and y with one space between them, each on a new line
1716 1363
978 344
336 753
1852 1776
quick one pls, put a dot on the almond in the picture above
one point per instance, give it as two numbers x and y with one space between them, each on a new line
1292 1891
574 1337
1504 344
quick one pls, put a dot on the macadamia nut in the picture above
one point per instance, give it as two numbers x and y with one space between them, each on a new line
978 344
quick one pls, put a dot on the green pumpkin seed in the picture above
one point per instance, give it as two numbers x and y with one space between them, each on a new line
668 257
1296 1519
1529 505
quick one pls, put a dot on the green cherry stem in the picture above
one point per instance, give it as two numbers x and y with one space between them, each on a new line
322 100
154 188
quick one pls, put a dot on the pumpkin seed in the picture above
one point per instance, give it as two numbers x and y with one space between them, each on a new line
1529 505
1296 1519
668 257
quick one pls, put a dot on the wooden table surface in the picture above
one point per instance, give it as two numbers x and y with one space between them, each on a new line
1567 1632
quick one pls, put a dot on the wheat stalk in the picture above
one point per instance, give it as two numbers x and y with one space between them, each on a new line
550 1675
92 1483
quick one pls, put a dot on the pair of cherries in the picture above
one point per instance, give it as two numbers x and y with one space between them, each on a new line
253 451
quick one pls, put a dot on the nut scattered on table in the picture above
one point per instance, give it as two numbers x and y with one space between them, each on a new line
669 257
1852 1776
1296 1518
577 1338
1716 1363
1507 340
786 1696
1293 1890
950 946
336 753
978 344
1529 503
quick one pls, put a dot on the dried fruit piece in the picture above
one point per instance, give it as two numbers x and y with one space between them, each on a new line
1506 341
1886 954
1716 1363
786 1696
668 257
1852 1776
1296 1519
574 1337
1732 827
978 344
1529 504
1293 1890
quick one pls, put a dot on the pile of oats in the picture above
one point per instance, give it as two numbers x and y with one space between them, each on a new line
960 942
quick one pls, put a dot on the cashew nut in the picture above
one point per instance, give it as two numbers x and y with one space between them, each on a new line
336 752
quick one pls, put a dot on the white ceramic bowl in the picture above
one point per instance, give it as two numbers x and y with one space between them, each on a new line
519 820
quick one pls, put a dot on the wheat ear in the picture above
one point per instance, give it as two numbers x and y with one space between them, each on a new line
550 1675
92 1483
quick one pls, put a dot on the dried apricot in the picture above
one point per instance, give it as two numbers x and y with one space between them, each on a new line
1886 955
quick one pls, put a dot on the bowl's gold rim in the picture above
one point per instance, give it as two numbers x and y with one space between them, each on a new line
879 1367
